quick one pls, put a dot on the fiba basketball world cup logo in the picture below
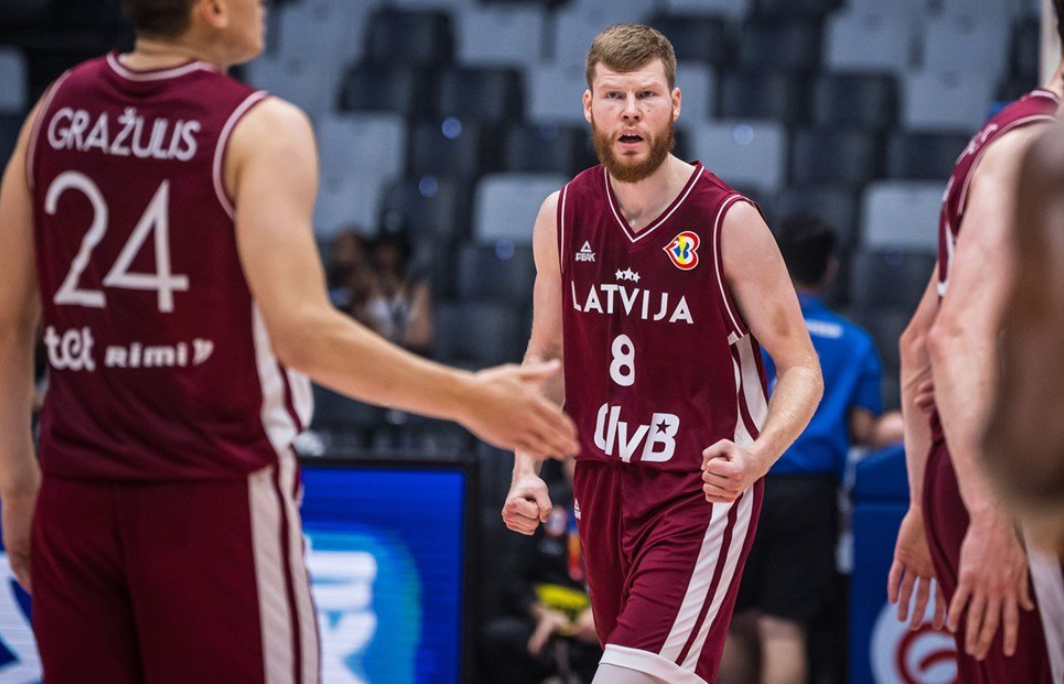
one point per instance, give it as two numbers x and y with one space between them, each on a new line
902 656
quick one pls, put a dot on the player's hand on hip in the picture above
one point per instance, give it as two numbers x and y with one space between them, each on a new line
992 586
527 504
913 569
728 470
925 397
508 411
16 511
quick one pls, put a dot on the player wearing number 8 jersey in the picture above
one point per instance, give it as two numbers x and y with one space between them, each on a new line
155 219
656 283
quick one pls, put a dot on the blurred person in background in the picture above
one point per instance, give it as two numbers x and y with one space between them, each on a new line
398 304
349 273
791 573
548 629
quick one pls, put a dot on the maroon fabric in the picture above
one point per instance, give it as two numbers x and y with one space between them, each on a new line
946 520
146 583
145 384
664 325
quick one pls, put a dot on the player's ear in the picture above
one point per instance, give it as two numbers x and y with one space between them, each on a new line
587 105
676 103
214 13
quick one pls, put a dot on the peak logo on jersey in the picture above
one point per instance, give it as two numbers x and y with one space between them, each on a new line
683 250
585 253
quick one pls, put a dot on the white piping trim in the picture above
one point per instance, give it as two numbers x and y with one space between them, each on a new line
1045 92
219 150
561 228
38 124
162 75
648 663
276 419
304 614
1049 588
274 616
734 551
612 201
700 583
975 162
717 240
754 394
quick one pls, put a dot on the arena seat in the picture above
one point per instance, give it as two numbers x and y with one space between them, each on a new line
14 97
452 147
795 8
902 214
501 272
479 333
409 91
780 45
890 279
555 91
364 145
481 94
835 205
500 36
749 154
695 38
835 156
414 38
345 201
924 155
942 100
879 39
855 100
547 148
430 208
763 95
506 205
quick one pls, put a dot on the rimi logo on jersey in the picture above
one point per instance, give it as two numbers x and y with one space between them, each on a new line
585 253
683 250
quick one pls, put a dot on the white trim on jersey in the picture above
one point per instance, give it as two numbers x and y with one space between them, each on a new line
649 663
1048 583
975 162
161 75
717 225
754 393
274 610
612 201
561 228
38 124
217 172
278 422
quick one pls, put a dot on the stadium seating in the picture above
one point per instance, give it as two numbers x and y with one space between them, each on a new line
696 38
780 44
902 214
501 272
878 39
943 100
855 100
414 38
924 156
547 148
477 334
410 91
451 147
516 36
892 280
481 94
506 205
834 205
848 157
13 81
362 145
750 154
763 95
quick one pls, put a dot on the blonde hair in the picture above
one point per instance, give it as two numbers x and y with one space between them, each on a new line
627 47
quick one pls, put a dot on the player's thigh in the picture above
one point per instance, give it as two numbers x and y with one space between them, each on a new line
221 591
682 590
598 504
82 615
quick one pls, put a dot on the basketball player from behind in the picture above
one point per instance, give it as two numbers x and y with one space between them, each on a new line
957 530
155 219
656 284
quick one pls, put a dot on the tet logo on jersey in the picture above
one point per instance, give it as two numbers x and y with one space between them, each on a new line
683 250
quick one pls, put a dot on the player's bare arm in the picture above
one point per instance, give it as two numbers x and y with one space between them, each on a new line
766 300
963 348
20 312
528 504
912 568
272 173
1025 437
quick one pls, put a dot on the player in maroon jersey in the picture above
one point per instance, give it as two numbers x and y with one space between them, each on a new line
656 284
957 530
155 218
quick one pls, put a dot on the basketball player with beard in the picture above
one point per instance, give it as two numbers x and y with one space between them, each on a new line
656 285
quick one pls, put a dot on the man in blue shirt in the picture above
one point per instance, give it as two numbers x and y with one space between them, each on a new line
791 569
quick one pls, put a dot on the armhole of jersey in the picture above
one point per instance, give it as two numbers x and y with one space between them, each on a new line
222 148
35 130
732 319
962 202
561 228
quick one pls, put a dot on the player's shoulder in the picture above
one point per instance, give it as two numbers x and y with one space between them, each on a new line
274 117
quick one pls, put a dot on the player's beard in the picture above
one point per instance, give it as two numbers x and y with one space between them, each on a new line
633 172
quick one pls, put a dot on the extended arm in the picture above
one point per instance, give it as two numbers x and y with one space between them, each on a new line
19 315
765 297
273 176
528 503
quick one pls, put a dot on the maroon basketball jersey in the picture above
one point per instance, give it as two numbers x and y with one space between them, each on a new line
1038 105
658 362
158 359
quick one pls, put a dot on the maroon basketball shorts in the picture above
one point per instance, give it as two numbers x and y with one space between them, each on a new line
946 519
193 582
663 566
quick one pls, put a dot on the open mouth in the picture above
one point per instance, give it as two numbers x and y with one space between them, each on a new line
631 139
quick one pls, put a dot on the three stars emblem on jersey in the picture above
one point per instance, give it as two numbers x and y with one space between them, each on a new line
683 250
